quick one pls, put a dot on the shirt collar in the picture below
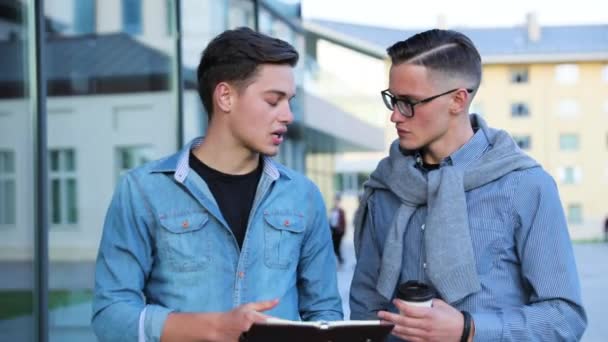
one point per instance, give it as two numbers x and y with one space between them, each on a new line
470 151
466 154
179 163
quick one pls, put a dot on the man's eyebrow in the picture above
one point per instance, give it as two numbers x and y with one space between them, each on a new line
404 96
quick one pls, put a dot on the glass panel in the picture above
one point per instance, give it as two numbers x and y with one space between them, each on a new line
519 109
569 175
7 195
54 160
69 161
566 73
202 20
56 201
84 16
575 213
3 200
132 16
105 90
523 141
519 75
568 142
17 193
71 204
7 162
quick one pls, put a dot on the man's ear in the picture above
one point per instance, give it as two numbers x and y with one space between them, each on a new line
460 101
223 97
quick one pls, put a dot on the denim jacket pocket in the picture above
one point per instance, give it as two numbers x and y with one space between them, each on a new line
184 241
282 239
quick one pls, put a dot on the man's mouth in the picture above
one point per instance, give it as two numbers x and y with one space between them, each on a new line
278 136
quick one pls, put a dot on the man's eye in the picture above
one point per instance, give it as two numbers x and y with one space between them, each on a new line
273 103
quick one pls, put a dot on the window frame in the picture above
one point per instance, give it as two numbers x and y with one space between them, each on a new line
8 176
68 213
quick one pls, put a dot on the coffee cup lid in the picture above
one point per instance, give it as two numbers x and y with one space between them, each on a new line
415 291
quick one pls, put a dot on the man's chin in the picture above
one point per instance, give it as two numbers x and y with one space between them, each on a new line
270 151
408 145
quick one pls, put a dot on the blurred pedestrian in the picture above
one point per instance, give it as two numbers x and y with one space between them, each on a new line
337 222
606 230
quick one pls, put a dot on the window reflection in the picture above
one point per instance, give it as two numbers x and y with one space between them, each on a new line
16 178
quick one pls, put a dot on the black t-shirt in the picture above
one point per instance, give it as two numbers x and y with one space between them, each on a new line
234 194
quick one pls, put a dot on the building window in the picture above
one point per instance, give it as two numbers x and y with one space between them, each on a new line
131 16
129 157
568 142
169 16
84 16
519 75
64 187
523 141
575 213
520 109
7 188
568 108
570 175
566 73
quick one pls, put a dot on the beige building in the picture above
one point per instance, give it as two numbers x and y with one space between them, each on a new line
547 86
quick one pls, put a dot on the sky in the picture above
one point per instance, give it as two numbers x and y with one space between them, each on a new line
409 14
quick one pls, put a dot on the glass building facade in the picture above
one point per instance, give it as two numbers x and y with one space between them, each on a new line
90 89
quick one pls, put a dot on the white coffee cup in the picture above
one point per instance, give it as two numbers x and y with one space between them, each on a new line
416 293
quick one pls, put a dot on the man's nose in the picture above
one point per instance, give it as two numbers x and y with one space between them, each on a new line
396 116
287 115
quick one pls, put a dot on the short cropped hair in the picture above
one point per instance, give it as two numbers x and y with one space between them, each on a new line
446 51
234 57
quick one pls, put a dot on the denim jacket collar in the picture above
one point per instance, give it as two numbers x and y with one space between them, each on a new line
178 163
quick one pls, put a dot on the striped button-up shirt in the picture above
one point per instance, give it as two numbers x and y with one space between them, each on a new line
524 258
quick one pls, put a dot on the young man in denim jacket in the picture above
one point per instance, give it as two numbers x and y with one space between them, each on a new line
459 206
197 245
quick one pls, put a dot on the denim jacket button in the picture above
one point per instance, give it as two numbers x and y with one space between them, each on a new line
241 275
185 224
286 223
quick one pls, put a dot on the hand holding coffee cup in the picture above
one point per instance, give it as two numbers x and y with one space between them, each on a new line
416 293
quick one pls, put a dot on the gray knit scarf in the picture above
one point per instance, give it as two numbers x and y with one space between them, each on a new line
449 252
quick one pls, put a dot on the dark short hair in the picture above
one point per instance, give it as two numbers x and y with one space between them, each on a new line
446 51
234 57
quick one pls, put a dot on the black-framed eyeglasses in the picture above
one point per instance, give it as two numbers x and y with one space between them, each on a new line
406 106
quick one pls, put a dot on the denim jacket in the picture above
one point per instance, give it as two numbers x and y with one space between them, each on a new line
166 247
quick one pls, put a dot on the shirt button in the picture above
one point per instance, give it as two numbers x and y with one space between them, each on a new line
241 275
185 224
422 227
286 223
424 265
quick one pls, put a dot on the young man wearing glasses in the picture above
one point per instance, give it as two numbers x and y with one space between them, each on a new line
200 245
458 206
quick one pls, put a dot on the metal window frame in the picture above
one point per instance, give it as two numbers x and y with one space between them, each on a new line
37 91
